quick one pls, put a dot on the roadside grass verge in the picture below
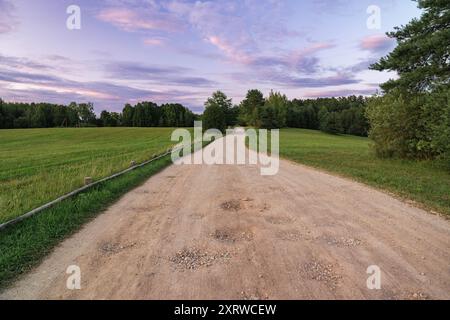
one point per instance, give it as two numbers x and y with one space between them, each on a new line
22 246
425 182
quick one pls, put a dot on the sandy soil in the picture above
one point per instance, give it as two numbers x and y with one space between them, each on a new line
226 232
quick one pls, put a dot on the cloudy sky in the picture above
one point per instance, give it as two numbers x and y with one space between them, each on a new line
183 50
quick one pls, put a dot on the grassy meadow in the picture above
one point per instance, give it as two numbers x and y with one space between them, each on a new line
24 245
38 165
426 182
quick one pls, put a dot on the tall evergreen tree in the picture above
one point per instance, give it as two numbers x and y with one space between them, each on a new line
422 56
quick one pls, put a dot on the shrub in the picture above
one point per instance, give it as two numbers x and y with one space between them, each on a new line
440 103
411 126
214 118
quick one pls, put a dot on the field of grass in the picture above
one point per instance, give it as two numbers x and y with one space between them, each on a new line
426 182
23 245
38 165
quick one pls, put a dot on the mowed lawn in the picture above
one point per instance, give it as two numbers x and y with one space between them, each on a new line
427 182
38 165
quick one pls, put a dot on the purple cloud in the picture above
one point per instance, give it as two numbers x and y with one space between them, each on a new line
300 61
327 6
340 93
308 82
234 27
23 83
7 19
362 65
291 81
25 77
129 46
167 75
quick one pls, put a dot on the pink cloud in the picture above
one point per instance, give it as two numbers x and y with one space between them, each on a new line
318 47
130 20
154 42
376 43
306 55
230 51
302 59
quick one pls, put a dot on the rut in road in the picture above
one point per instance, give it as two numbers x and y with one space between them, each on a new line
226 232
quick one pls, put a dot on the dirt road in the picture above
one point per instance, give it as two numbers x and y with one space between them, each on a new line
226 232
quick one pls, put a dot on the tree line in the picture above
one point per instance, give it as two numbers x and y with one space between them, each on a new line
47 115
333 115
149 114
345 115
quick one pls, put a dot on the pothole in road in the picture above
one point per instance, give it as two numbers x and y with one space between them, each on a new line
416 295
342 241
224 235
111 248
264 207
278 219
194 258
232 205
322 272
254 295
293 235
148 208
229 235
197 216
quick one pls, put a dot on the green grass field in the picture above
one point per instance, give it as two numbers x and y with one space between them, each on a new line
38 165
24 245
427 182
